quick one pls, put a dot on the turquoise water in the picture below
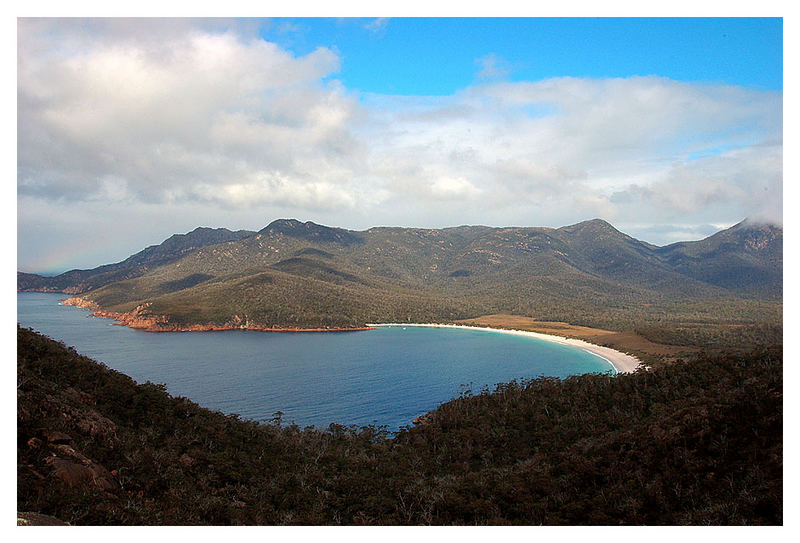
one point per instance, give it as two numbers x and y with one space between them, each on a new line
387 376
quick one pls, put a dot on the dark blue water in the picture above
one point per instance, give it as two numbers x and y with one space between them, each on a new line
386 376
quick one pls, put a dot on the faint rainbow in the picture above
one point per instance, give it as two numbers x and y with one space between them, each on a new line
67 257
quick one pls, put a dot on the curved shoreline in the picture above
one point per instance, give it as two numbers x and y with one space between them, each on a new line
621 362
138 320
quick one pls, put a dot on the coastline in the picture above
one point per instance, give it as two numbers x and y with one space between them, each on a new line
621 362
138 319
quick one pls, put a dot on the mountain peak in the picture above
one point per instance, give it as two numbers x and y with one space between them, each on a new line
592 226
312 232
282 224
749 223
746 258
200 236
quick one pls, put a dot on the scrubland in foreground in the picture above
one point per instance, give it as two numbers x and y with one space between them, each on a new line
694 442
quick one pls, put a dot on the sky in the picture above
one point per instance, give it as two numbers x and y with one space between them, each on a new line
130 130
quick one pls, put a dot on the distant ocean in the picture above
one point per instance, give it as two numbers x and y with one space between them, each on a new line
386 376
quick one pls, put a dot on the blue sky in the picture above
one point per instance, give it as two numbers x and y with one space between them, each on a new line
130 130
430 56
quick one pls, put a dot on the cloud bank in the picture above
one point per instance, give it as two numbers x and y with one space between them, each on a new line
186 121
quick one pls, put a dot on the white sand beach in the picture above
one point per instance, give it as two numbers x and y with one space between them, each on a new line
623 363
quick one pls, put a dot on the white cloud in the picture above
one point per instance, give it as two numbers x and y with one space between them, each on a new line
377 25
259 188
453 188
492 66
196 108
568 149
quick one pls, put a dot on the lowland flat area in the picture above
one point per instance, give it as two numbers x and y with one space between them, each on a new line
622 341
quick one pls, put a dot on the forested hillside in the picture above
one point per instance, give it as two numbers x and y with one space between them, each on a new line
696 442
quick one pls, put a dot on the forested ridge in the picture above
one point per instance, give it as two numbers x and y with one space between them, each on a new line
694 442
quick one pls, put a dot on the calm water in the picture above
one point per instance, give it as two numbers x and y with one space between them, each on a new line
386 376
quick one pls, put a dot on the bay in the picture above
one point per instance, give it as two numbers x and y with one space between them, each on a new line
386 377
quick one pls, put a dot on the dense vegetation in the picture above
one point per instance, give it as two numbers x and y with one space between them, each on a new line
695 442
304 275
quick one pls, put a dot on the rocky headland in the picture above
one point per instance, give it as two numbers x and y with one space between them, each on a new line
141 319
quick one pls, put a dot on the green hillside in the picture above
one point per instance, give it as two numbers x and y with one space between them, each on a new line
746 258
293 274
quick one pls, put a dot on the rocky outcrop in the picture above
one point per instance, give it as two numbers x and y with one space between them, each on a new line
423 419
77 301
68 465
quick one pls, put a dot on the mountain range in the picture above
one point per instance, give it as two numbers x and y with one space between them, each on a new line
294 274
